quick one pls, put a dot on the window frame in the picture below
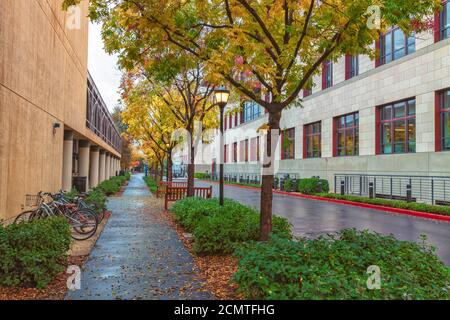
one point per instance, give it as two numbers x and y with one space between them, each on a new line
255 109
442 112
353 66
235 152
327 74
405 118
343 130
307 136
406 49
444 32
288 153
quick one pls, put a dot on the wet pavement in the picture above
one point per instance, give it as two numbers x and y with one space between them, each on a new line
311 218
138 255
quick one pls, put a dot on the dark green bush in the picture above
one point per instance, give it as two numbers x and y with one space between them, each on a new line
200 175
152 185
313 185
111 186
96 199
32 253
422 207
288 184
218 229
335 267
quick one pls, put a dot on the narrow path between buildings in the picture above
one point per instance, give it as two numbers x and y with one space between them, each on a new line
138 255
311 218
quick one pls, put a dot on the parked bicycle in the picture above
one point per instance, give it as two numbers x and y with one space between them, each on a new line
83 221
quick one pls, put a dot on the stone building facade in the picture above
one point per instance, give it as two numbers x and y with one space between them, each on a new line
388 116
46 137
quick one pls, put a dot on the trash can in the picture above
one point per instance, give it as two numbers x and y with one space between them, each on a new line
79 183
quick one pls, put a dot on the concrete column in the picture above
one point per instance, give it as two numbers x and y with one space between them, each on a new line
94 162
101 166
67 161
83 162
108 166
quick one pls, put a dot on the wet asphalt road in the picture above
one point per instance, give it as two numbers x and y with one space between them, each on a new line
311 218
138 255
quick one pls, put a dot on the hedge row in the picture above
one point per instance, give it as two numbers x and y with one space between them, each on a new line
152 185
422 207
32 253
218 229
337 267
97 197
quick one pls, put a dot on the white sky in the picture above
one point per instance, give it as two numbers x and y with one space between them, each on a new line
103 68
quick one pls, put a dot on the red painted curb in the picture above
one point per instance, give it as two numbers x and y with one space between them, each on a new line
351 203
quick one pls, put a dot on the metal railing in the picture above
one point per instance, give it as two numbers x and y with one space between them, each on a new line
255 178
424 189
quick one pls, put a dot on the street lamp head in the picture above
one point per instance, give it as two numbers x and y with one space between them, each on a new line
221 96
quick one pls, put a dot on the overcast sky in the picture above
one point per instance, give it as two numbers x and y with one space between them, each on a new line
103 68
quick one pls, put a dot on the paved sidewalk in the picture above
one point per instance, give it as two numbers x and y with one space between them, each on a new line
138 255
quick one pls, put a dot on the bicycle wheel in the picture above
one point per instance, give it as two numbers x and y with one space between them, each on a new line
83 223
99 213
24 216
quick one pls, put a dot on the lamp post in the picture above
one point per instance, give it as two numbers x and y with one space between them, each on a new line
221 96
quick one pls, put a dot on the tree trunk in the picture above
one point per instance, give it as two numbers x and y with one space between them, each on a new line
169 167
191 173
267 179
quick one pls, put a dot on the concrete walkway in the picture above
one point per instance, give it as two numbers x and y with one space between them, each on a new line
138 255
311 218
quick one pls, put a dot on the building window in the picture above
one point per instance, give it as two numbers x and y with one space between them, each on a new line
312 140
327 75
235 146
347 135
445 120
243 151
254 149
445 21
225 153
398 127
252 111
351 66
395 45
288 144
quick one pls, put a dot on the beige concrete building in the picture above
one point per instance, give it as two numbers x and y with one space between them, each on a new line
362 117
54 126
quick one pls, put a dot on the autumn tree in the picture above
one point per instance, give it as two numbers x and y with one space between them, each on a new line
126 150
278 44
149 121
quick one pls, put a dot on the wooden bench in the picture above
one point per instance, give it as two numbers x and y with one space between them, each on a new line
163 185
178 193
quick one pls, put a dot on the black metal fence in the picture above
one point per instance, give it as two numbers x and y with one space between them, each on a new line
255 179
423 189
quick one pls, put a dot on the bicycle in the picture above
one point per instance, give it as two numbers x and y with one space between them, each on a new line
83 222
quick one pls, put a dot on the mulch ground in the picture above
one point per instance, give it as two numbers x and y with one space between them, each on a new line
216 270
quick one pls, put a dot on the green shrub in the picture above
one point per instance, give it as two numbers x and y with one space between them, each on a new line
200 175
151 184
189 211
218 229
313 185
111 186
96 199
335 267
32 253
422 207
288 184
